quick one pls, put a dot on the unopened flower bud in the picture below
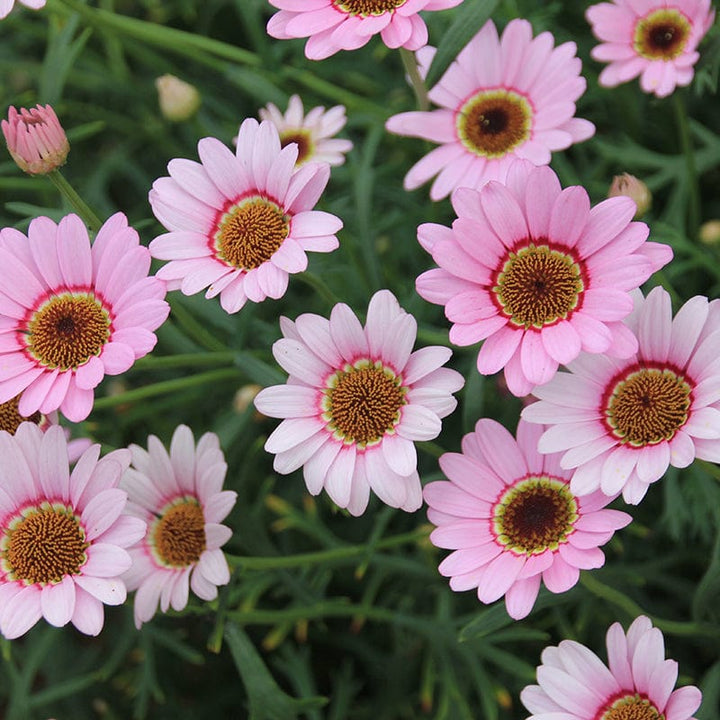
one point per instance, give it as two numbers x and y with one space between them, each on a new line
709 232
35 139
179 100
629 186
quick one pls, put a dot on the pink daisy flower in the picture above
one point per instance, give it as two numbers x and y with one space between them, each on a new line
537 273
334 25
501 99
314 133
637 684
621 423
64 534
240 223
508 514
7 5
356 400
71 313
653 39
180 497
35 139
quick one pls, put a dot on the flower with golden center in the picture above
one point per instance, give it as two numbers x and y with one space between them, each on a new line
35 139
511 519
356 400
179 495
622 423
656 40
72 313
64 534
502 98
637 684
241 224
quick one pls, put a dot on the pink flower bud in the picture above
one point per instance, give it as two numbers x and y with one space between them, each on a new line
629 186
35 139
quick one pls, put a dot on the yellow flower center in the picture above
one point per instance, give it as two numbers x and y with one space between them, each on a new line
631 707
178 535
662 34
367 8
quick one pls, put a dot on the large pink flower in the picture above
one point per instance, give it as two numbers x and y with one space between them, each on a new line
511 519
537 273
334 25
355 401
71 313
574 684
64 534
501 99
240 223
621 423
180 497
653 39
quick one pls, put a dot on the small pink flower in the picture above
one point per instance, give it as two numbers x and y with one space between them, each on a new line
35 139
511 519
621 423
180 497
71 313
241 223
501 99
653 39
356 400
537 274
314 133
64 534
334 25
574 684
7 5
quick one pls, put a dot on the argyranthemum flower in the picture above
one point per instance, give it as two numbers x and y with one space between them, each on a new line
240 223
511 519
356 400
637 685
622 423
7 5
180 497
314 133
537 273
64 533
334 25
653 39
71 313
501 99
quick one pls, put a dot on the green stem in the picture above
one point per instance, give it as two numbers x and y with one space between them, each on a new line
194 330
416 80
340 554
320 287
184 360
690 167
71 195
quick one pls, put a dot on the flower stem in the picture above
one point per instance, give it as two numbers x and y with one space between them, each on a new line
320 287
418 84
71 195
690 167
185 360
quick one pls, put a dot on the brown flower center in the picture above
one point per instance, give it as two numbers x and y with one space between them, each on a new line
363 402
662 34
537 286
178 535
10 418
67 330
303 141
43 545
648 406
250 232
494 122
631 707
367 7
534 515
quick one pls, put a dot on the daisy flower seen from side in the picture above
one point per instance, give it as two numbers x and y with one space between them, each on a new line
654 39
621 423
314 133
240 224
179 495
333 25
501 99
537 273
7 5
637 683
71 313
64 533
508 514
356 400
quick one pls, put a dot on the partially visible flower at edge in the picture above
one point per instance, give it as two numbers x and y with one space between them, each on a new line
7 5
178 100
638 681
35 139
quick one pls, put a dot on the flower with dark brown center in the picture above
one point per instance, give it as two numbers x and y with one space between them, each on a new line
368 7
178 535
662 35
10 417
303 141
